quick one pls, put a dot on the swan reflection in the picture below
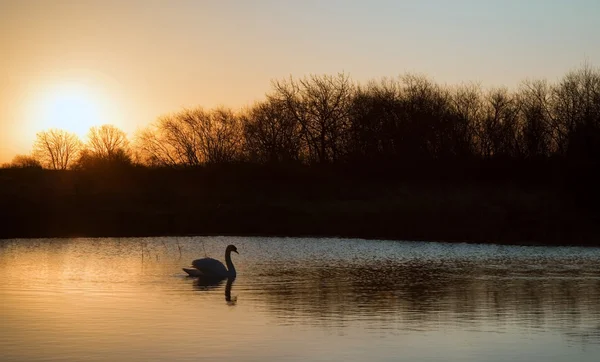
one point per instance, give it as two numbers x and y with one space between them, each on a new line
228 286
208 284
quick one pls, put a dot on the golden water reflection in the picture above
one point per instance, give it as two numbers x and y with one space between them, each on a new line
297 299
422 296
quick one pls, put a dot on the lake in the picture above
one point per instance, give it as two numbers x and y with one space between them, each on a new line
115 299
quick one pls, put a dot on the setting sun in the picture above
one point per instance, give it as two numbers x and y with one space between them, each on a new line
73 108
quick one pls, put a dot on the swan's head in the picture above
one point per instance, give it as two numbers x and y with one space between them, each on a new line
231 248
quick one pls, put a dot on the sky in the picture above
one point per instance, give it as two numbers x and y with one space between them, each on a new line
75 64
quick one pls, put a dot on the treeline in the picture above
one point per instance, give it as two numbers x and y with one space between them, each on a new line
330 119
403 158
55 149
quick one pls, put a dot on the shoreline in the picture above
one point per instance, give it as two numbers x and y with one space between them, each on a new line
204 202
515 243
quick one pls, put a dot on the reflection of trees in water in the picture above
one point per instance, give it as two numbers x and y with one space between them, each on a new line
428 294
585 335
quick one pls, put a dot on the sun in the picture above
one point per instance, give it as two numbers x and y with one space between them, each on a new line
70 107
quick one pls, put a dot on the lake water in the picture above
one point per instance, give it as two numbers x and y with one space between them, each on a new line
297 300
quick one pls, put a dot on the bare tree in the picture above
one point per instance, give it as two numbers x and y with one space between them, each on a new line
271 134
222 136
321 105
466 111
324 119
192 137
173 139
576 122
152 150
538 134
376 120
56 149
427 122
496 131
107 142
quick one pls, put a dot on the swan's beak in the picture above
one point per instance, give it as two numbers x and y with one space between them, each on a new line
235 251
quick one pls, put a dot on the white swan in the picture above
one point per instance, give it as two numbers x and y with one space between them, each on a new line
212 268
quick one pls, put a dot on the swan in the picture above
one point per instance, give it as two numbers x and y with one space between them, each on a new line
212 268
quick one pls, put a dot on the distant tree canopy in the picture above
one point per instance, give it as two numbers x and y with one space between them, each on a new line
107 146
192 137
89 160
56 149
107 142
320 107
23 161
271 135
331 119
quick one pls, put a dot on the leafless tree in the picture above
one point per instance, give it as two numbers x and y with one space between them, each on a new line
427 118
152 148
375 131
222 136
56 149
192 137
576 101
271 134
496 131
321 105
466 112
107 142
537 120
325 119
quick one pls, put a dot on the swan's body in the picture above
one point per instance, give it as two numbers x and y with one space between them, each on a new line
212 268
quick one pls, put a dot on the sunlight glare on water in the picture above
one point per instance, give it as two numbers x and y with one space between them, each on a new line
297 299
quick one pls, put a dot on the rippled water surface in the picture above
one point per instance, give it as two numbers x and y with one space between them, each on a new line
297 300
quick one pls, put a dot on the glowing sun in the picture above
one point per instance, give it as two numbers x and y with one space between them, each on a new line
69 107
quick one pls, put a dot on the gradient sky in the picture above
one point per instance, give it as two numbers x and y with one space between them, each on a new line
127 62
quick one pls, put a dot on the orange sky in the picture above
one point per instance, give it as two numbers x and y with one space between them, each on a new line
73 64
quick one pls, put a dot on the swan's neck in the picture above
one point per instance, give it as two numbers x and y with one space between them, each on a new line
230 267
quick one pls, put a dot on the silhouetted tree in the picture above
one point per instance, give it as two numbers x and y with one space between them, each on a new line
409 119
577 113
56 149
321 106
107 142
426 119
496 131
375 129
24 161
192 137
465 111
153 150
223 136
271 134
536 119
89 160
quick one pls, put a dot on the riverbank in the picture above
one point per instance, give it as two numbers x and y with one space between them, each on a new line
146 202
